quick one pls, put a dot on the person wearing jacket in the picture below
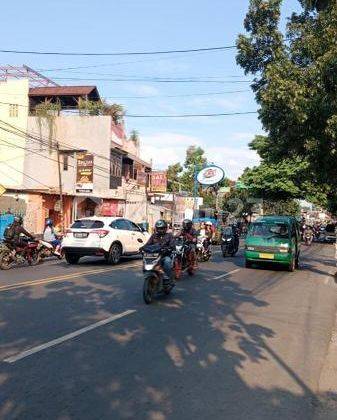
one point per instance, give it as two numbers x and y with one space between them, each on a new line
190 235
16 232
166 241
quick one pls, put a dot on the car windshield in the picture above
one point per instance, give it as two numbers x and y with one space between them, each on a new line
269 230
87 224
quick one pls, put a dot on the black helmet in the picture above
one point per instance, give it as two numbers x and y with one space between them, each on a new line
161 227
18 220
187 225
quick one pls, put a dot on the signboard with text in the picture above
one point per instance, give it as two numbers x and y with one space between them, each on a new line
85 173
159 182
210 175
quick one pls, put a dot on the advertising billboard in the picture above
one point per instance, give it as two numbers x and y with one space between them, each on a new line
85 173
211 175
158 182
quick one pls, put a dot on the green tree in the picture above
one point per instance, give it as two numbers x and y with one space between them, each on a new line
134 137
195 160
173 177
295 81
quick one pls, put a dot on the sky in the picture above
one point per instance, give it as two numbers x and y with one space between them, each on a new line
149 25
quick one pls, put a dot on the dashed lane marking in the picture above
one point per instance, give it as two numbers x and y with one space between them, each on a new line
57 341
226 274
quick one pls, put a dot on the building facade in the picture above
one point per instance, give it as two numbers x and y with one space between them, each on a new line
47 140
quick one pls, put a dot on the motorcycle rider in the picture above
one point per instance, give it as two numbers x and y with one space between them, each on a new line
308 233
209 234
165 239
49 235
190 235
14 232
236 234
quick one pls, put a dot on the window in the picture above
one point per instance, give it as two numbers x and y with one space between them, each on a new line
87 224
120 224
65 162
13 110
134 227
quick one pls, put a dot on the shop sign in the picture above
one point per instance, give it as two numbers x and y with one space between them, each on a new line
211 175
85 173
158 182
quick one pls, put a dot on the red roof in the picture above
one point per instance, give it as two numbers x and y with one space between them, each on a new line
64 91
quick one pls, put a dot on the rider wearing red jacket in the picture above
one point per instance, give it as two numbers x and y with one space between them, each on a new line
190 235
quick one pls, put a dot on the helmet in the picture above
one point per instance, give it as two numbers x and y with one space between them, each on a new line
209 224
18 220
187 224
49 222
161 227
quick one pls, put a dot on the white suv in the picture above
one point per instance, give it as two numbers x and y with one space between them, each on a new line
111 237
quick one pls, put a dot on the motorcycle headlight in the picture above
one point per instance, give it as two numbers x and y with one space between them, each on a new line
229 239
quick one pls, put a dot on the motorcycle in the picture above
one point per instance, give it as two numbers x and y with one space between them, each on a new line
203 253
26 252
229 244
181 260
308 238
154 274
47 250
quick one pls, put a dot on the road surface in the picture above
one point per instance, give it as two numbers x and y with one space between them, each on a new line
77 342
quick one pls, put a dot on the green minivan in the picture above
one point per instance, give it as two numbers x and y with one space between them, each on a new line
274 239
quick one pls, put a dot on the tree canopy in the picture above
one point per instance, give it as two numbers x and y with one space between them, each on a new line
295 82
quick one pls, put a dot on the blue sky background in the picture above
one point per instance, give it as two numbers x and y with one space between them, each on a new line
145 25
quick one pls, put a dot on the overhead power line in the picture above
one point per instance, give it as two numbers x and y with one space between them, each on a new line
227 114
150 80
92 54
178 96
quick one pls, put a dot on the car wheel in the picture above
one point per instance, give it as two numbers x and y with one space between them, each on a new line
115 254
72 259
292 265
248 264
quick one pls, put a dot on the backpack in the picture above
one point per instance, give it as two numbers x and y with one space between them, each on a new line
9 232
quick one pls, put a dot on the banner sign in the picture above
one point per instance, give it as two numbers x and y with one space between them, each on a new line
159 181
85 173
109 208
115 170
142 178
211 175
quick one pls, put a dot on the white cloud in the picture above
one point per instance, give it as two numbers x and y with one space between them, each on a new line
167 148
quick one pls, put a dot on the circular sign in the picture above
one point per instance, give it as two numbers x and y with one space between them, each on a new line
210 175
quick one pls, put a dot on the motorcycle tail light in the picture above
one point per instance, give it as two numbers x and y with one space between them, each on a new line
101 232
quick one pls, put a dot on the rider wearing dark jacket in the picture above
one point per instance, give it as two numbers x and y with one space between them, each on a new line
17 231
166 241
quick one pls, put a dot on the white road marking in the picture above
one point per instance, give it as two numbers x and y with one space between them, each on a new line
326 281
52 343
226 274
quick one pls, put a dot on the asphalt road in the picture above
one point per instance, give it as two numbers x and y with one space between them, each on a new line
229 343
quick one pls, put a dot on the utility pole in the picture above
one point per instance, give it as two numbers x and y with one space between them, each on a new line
60 185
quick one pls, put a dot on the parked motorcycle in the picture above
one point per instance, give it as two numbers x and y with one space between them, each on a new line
153 273
229 242
204 252
27 252
181 260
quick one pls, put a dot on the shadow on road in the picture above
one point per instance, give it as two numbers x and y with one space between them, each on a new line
181 358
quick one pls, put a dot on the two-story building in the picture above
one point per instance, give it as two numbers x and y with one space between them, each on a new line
50 143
